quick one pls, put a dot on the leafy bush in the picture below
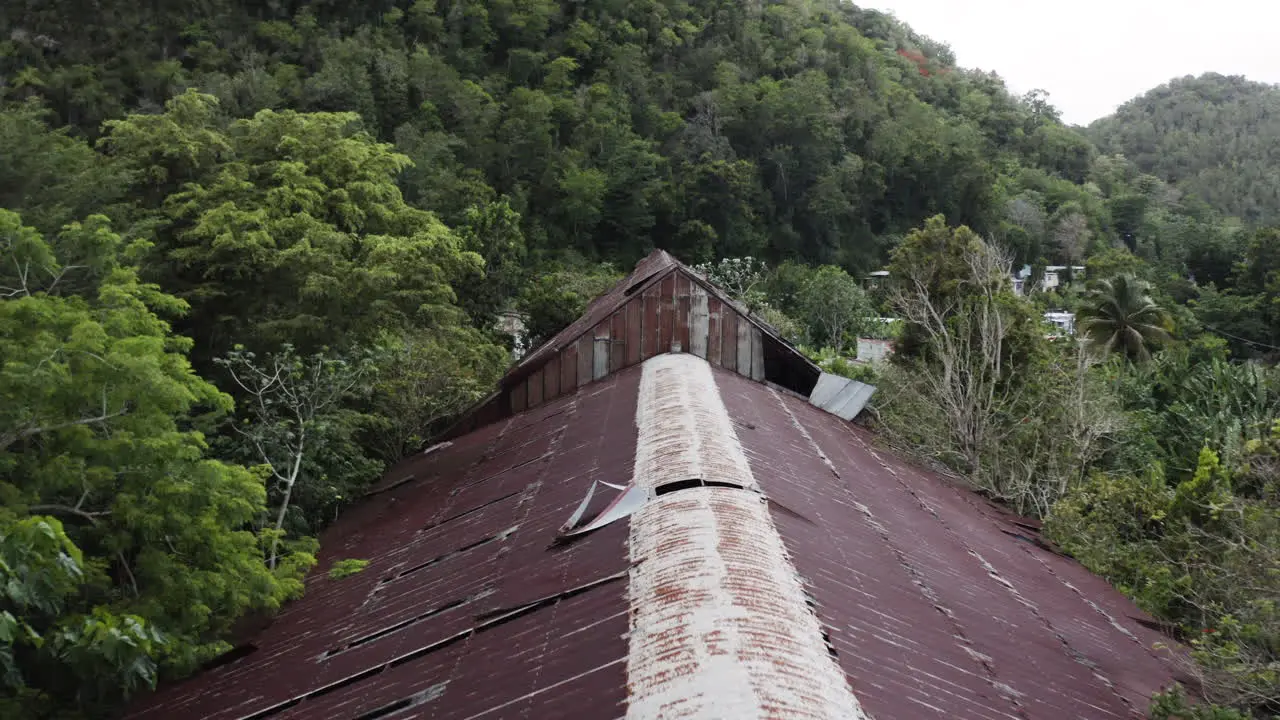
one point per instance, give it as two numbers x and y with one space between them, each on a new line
347 568
832 362
1203 553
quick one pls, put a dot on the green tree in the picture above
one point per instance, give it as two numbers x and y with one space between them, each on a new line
834 307
1118 315
424 379
558 297
492 231
1200 553
295 414
1213 136
741 278
50 176
157 558
290 229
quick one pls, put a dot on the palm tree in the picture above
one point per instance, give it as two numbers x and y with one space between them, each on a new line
1118 315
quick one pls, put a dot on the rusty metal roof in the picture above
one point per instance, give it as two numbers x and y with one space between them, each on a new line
782 558
466 609
649 269
662 306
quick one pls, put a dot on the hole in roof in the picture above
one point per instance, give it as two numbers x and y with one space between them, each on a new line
392 629
831 648
386 710
785 366
418 698
449 555
492 618
240 651
678 485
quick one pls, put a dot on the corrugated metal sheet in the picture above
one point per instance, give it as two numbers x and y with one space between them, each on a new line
917 590
465 610
932 608
841 396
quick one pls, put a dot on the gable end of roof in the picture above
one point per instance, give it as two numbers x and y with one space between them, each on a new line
663 306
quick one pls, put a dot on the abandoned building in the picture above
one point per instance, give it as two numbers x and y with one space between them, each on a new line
664 512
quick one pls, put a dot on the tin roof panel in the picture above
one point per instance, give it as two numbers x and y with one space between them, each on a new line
458 613
934 611
470 608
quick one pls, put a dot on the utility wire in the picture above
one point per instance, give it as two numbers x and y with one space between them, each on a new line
1241 339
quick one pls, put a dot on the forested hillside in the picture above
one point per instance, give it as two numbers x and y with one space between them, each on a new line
1214 137
804 129
251 253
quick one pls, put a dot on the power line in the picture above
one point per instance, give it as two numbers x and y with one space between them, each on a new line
1241 339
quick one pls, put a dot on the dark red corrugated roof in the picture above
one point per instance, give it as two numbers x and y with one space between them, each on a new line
452 554
933 601
934 606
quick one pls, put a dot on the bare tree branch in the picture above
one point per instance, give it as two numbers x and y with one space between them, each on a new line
59 509
10 438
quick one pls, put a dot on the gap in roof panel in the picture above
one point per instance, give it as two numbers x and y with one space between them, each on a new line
419 698
403 624
678 485
472 511
498 537
488 622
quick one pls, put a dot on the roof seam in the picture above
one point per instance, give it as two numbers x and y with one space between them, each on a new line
917 578
1074 590
1070 651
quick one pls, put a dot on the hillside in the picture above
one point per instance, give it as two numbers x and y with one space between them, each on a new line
251 254
1213 136
804 129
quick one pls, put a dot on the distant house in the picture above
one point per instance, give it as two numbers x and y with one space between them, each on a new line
665 512
1055 276
873 350
1064 321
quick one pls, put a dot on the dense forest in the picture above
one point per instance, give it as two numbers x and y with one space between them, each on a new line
251 253
1213 137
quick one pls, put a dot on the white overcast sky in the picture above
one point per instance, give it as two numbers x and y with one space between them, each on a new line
1092 55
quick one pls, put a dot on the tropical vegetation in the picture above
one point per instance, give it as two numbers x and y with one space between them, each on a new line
252 253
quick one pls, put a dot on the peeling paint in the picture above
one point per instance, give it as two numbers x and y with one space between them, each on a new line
720 624
684 430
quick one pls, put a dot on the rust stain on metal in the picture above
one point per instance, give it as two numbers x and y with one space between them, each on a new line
720 626
663 306
861 582
932 610
684 431
464 611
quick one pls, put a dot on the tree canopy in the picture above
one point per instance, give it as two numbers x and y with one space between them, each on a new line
252 253
1214 137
